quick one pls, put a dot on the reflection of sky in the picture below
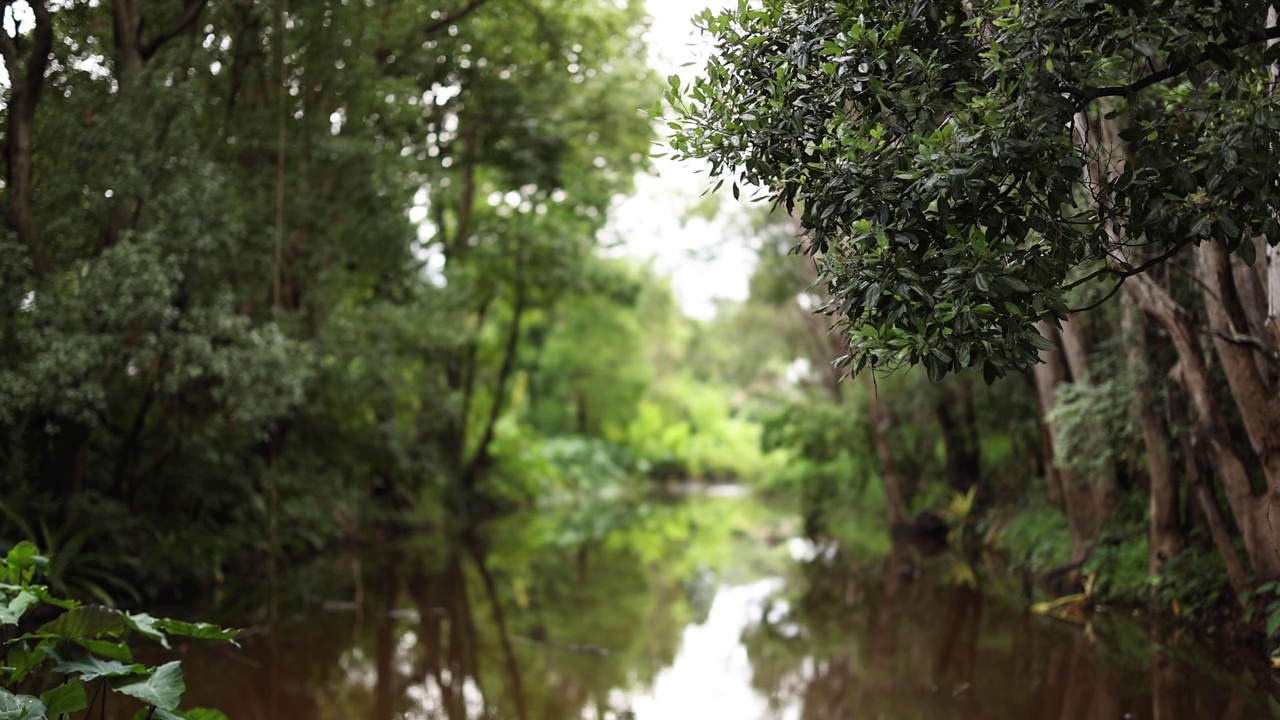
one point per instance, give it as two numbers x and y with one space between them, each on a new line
711 675
704 259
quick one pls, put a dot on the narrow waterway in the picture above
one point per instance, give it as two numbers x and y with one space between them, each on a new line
706 606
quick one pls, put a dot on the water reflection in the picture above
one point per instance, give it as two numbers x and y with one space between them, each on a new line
700 609
888 642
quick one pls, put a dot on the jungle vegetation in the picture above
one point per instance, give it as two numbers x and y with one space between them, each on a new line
277 278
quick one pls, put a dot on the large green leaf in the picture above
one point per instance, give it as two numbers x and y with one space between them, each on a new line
20 707
90 621
22 659
42 592
11 611
22 560
163 688
107 649
199 631
144 624
66 698
91 668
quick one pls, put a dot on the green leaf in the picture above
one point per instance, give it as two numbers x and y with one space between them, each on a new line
66 698
1229 226
22 660
107 649
22 561
13 610
163 688
1247 251
42 592
91 668
1273 623
1040 342
20 707
90 621
199 631
144 624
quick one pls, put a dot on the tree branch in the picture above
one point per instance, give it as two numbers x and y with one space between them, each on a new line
189 16
1087 96
1128 271
450 18
1238 338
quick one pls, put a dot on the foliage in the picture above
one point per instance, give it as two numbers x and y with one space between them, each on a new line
1119 561
829 468
185 362
83 645
1036 537
1093 423
935 151
1193 584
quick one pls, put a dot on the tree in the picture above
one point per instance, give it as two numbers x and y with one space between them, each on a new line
935 151
959 167
265 248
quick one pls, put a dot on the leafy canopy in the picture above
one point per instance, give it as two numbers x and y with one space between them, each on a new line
938 153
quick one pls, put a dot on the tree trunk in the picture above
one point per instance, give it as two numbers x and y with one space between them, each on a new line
957 421
1165 536
893 486
1077 344
1196 474
26 85
1255 398
1077 496
1192 374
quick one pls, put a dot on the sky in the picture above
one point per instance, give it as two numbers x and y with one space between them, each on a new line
706 260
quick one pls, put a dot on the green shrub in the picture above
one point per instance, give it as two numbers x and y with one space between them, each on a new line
1037 538
48 667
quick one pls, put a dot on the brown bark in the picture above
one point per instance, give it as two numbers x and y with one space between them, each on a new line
1255 398
1165 536
893 485
1077 496
1077 344
958 424
1256 401
132 51
26 85
1196 474
1192 374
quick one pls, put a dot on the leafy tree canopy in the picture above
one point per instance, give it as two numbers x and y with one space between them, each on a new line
943 157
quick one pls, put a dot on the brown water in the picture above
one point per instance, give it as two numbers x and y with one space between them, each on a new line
705 608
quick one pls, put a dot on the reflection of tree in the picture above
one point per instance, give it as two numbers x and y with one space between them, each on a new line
508 624
883 641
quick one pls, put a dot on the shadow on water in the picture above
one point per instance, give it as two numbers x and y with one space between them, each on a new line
702 607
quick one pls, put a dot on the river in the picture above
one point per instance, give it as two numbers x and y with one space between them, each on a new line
702 607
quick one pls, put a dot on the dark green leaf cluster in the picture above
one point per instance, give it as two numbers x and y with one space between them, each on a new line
83 645
943 156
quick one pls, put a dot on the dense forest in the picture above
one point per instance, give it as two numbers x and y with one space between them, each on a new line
280 279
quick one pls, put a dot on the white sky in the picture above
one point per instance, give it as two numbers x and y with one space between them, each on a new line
705 260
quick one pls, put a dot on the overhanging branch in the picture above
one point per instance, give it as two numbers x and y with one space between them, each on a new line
1087 96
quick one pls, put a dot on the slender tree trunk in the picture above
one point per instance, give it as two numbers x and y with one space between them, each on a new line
1077 496
1197 471
1165 535
893 485
26 84
957 421
1077 345
1256 399
1192 374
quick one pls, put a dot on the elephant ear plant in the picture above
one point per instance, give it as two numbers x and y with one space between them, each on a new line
60 657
